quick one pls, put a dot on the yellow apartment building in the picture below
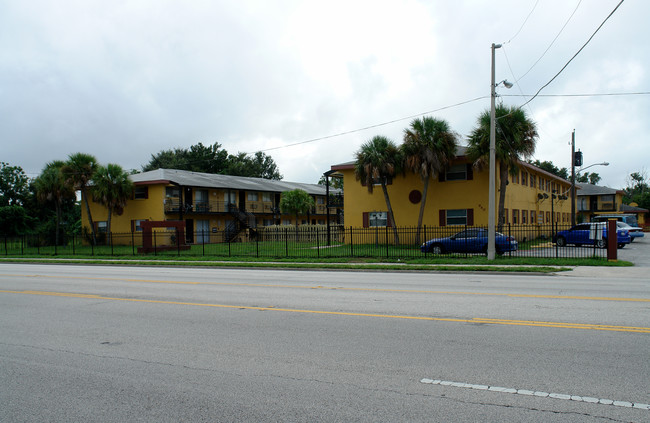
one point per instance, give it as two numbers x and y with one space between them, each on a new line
210 203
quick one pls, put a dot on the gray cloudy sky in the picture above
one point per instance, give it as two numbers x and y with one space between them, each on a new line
125 79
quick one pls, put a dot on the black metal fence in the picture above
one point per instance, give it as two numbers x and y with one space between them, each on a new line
315 241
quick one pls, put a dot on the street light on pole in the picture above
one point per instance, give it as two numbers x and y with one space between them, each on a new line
492 179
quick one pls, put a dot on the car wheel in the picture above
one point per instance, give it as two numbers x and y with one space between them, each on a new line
601 243
436 249
621 245
561 241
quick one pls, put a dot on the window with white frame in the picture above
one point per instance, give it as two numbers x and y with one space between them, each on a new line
377 219
252 196
137 224
266 197
286 222
457 217
102 226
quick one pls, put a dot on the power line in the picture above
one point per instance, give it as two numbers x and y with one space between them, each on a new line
578 95
374 126
550 45
574 56
522 25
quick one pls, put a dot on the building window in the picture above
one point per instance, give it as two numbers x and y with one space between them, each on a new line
102 226
377 219
583 203
548 217
172 192
524 217
456 173
524 178
137 225
286 222
141 193
320 200
532 217
266 197
252 196
532 181
268 222
515 178
607 202
506 216
321 221
515 217
457 217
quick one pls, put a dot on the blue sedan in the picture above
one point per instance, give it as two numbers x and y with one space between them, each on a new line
585 234
469 241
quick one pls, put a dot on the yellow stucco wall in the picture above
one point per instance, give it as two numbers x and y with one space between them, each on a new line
464 194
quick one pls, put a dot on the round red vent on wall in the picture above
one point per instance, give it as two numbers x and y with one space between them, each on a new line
415 196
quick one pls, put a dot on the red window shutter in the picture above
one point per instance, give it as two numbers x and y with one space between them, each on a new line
470 217
366 220
146 192
443 218
470 172
389 221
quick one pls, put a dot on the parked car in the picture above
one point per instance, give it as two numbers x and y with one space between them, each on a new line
469 241
635 232
587 234
630 219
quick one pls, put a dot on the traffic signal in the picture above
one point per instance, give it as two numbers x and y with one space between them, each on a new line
577 158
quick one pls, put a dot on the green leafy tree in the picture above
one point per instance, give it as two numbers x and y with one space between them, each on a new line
259 165
14 220
429 147
51 187
637 189
296 202
376 161
198 158
335 182
589 178
551 168
78 171
14 185
516 137
214 159
112 187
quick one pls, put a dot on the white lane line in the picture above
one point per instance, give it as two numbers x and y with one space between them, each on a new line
542 394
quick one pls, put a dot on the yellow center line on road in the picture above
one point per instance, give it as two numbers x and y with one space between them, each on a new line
564 325
335 288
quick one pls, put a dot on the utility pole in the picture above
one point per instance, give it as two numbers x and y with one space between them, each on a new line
573 178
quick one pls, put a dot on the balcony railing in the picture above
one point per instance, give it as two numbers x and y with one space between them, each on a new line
213 207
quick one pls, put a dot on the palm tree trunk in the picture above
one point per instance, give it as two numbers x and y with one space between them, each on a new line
84 194
503 183
391 216
425 189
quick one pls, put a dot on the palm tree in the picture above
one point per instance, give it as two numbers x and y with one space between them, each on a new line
429 147
112 187
51 187
378 160
78 171
516 137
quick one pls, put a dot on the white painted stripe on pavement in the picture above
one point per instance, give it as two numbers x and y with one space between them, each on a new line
542 394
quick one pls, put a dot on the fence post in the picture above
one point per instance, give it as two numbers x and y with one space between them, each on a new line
22 246
155 243
424 230
73 238
257 246
229 250
317 244
133 243
38 244
386 239
92 248
178 243
6 250
351 249
286 242
111 243
55 248
203 239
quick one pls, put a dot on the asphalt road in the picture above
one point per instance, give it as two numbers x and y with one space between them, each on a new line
95 343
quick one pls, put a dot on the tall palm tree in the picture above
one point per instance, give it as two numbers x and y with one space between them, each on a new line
378 160
429 147
516 137
78 171
51 187
112 187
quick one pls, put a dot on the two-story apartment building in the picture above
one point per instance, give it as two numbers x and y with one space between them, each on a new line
210 203
459 196
594 200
